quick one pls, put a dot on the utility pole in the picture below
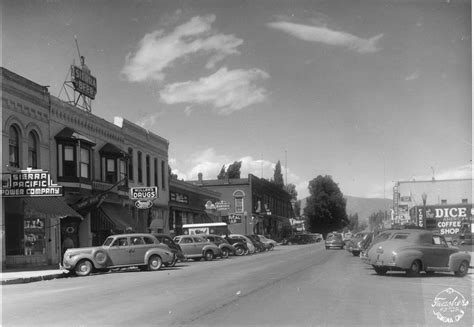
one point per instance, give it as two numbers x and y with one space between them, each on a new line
286 170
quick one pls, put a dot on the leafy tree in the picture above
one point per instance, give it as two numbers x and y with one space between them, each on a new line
353 222
376 220
233 171
291 190
222 173
326 207
277 175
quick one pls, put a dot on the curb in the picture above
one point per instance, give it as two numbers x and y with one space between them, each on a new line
24 280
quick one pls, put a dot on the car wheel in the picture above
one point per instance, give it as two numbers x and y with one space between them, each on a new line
154 263
239 250
270 248
462 270
173 263
225 253
380 270
208 255
414 269
355 253
83 268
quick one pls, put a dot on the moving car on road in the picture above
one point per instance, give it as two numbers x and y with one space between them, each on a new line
334 240
118 251
196 247
414 251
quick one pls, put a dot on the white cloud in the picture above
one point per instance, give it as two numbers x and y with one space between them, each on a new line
226 90
327 36
151 119
209 163
158 51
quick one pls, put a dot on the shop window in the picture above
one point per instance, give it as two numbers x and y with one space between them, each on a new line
148 173
140 164
130 164
32 150
122 169
14 147
34 232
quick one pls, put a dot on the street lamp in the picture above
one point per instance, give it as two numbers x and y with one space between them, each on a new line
424 196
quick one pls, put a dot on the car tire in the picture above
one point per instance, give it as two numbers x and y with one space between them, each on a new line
154 263
462 270
239 250
208 255
225 253
380 271
83 268
414 269
270 248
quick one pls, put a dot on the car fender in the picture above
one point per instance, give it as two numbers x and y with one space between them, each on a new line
406 257
216 250
455 260
166 256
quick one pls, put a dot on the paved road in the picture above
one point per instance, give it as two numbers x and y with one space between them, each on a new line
302 285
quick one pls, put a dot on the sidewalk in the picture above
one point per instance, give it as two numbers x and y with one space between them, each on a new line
17 276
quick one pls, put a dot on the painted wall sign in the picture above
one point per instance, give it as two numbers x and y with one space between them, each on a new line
222 205
140 193
447 219
30 183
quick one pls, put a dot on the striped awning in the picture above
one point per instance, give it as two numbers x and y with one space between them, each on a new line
48 207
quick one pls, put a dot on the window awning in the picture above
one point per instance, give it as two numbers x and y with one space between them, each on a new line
118 216
68 133
48 207
113 150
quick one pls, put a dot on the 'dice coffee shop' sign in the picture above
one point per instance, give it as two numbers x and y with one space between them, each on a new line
30 183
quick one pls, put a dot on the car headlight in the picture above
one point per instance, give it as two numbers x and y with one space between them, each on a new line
394 256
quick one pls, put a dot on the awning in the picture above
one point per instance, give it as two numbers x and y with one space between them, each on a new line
113 150
48 207
117 215
68 133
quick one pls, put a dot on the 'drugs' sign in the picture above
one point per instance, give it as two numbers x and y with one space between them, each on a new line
30 183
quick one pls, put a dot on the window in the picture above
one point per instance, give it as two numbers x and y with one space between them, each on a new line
148 173
163 181
401 237
148 240
14 147
155 168
122 169
140 163
239 201
464 200
32 150
110 170
130 164
444 201
69 162
85 163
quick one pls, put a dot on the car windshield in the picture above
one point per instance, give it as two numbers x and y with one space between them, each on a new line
108 241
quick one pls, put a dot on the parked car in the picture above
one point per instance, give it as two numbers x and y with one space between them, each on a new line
318 237
414 251
175 248
269 243
248 242
303 238
334 240
356 244
239 244
226 248
118 251
259 246
196 247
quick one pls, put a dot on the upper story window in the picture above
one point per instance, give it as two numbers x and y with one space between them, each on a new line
444 201
113 163
74 156
14 146
163 180
148 172
155 170
140 167
130 164
32 150
239 201
464 200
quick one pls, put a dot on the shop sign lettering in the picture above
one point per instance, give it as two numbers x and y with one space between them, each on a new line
30 183
143 193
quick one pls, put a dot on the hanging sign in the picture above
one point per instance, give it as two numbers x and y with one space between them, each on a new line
143 204
30 183
141 193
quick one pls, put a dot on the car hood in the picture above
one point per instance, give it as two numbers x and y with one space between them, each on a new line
84 250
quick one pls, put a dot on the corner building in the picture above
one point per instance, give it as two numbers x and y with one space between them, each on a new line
93 160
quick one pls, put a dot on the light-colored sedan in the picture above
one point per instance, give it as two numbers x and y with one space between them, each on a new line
119 251
197 247
413 251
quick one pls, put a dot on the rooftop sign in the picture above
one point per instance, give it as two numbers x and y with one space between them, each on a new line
83 82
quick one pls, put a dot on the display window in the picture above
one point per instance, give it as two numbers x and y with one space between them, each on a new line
34 236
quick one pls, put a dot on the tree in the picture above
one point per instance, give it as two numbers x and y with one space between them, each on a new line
222 173
353 222
291 190
376 220
233 171
326 207
277 175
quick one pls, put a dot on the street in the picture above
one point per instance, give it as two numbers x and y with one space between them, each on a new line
299 285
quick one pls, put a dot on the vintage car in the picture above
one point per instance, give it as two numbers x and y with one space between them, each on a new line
119 251
356 244
240 245
414 251
244 239
175 248
334 240
226 248
269 243
197 247
259 246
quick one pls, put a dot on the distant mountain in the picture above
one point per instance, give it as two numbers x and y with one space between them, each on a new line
364 207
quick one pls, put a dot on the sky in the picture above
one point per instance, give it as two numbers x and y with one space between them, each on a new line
368 92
